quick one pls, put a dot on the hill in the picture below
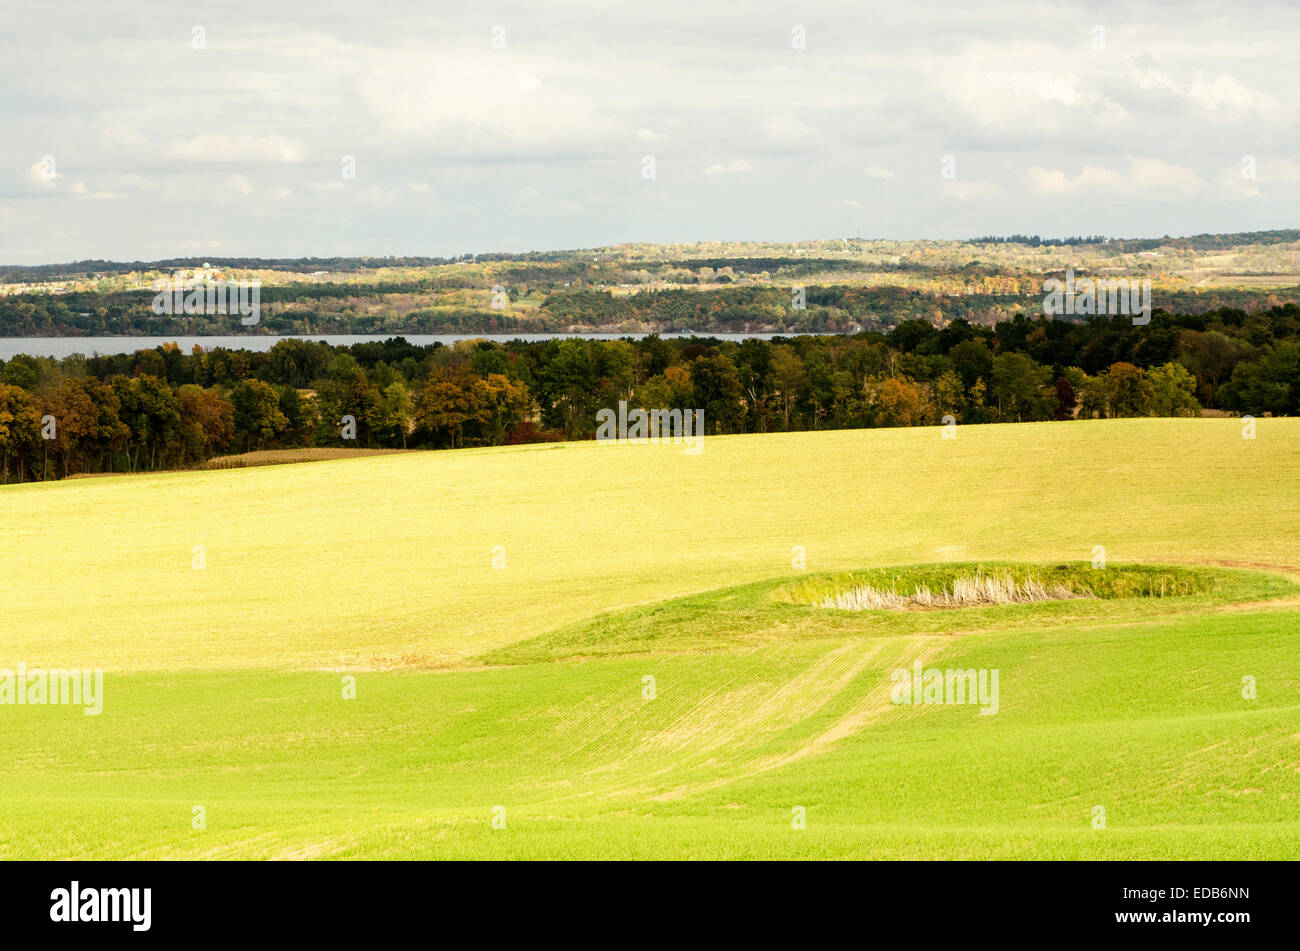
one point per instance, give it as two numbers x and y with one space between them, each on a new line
525 686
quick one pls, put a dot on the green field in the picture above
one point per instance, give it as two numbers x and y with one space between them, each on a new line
521 691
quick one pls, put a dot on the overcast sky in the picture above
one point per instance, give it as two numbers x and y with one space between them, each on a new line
123 140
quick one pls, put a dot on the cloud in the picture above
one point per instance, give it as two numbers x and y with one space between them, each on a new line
239 184
422 99
43 175
1228 98
1150 79
1043 181
786 132
728 168
1279 170
1153 174
221 147
971 191
1250 176
1221 99
82 190
465 106
980 97
1144 176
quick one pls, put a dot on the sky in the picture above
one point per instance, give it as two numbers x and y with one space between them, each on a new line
284 128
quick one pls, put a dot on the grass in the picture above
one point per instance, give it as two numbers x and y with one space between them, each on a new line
966 591
788 610
962 585
526 687
1147 721
386 562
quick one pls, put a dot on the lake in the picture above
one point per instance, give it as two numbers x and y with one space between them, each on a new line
90 346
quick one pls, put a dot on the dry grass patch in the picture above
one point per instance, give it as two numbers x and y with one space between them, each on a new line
967 591
276 457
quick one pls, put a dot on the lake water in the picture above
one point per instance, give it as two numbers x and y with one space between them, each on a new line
90 346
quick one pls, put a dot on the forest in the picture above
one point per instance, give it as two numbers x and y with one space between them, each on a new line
826 286
165 409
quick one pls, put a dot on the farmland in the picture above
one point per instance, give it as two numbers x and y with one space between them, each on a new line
584 650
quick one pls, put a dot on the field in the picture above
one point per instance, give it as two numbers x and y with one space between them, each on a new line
278 457
594 650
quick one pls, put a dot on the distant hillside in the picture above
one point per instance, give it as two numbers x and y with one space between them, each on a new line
835 285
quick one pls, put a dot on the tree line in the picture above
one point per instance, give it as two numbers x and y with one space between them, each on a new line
164 408
459 303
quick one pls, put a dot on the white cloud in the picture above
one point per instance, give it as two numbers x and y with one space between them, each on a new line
1044 181
787 132
1040 95
1157 175
239 184
1144 176
1221 99
1110 114
1251 176
43 175
1226 97
1032 112
467 106
1283 171
221 147
1152 80
727 168
968 191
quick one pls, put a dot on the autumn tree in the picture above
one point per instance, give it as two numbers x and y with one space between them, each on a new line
20 424
1173 391
897 401
1129 392
1018 384
393 421
207 422
152 412
789 381
445 406
257 415
717 392
500 404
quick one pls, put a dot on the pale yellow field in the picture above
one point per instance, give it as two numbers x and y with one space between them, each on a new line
387 561
760 706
